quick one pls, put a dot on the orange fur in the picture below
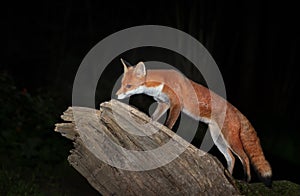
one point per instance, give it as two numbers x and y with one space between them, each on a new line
195 100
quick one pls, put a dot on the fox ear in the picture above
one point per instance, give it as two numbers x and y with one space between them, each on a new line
124 65
140 69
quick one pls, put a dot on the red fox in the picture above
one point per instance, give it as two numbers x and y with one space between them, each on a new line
172 91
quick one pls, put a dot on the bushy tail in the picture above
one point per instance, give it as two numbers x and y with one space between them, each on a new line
254 151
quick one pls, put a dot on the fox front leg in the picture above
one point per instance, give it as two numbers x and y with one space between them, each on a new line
161 108
173 115
175 108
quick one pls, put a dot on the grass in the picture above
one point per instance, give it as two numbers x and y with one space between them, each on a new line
281 187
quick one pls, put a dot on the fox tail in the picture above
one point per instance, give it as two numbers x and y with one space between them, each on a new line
254 151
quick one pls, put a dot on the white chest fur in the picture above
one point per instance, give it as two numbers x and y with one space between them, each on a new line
156 93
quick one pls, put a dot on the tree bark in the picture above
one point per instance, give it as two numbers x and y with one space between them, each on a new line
103 137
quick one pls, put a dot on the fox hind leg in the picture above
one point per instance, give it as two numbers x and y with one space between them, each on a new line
237 148
244 160
222 145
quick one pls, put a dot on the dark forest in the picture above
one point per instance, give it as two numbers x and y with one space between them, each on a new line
255 45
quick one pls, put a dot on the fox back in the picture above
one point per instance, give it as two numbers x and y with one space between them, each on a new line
174 92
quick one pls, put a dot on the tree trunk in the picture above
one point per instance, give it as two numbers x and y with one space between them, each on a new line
120 151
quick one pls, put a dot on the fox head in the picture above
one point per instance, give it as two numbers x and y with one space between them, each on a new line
133 80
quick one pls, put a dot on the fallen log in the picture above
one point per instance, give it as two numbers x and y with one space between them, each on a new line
121 151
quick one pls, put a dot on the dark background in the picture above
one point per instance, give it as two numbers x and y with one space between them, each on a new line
255 45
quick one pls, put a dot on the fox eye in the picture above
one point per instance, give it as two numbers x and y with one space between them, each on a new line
128 85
